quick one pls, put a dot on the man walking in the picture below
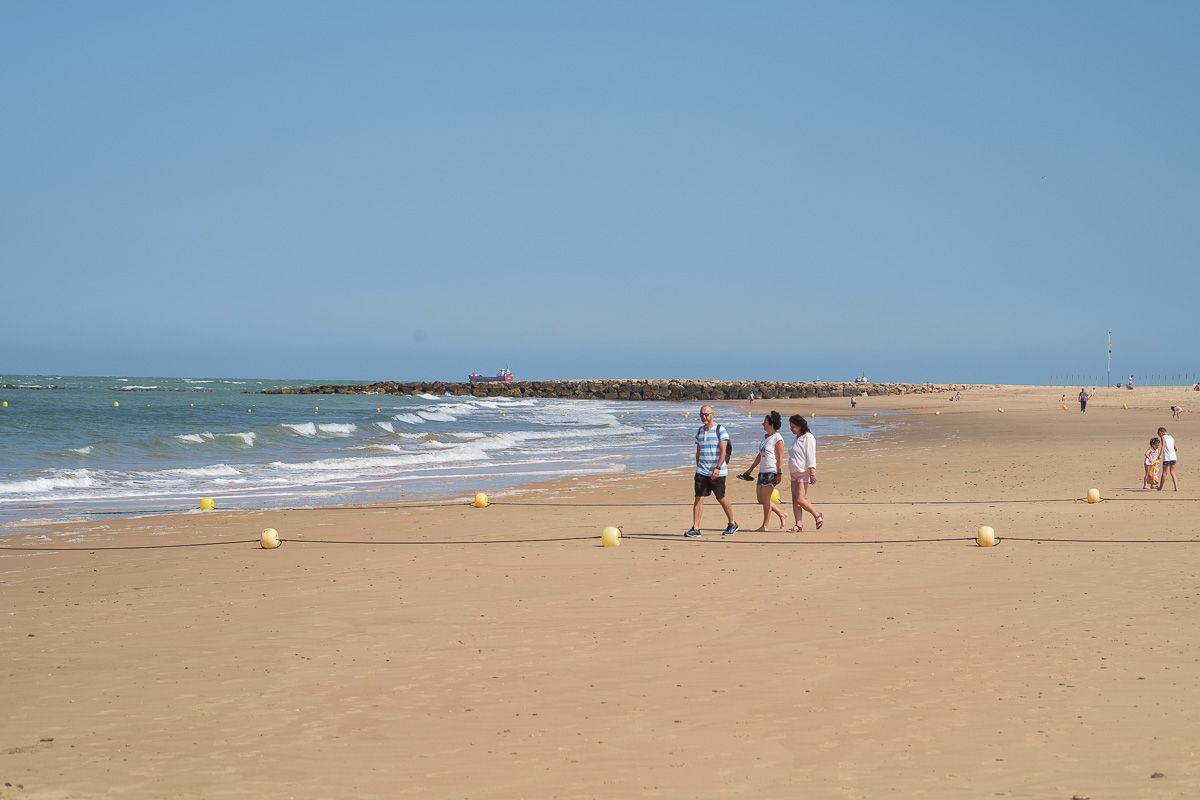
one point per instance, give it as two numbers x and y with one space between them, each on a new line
1083 398
712 456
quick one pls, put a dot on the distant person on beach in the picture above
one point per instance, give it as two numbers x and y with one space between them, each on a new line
1176 411
1129 383
770 456
853 402
750 405
802 466
712 467
1083 398
1169 457
1151 463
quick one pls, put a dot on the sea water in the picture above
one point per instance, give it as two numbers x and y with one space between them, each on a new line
68 453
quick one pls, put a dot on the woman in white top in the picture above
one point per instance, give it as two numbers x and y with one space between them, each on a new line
770 456
802 464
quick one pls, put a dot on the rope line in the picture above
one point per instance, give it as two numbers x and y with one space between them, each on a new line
519 504
649 537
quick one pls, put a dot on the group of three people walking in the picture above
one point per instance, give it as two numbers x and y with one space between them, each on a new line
713 451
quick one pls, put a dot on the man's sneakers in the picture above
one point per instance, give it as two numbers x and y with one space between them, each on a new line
730 530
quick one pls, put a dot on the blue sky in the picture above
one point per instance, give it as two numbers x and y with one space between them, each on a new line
942 191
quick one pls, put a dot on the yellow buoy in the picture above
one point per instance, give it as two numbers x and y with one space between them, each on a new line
874 413
564 412
1093 495
1001 410
937 413
611 537
207 504
116 404
193 405
269 539
504 413
4 404
813 415
685 415
775 498
986 536
249 410
481 500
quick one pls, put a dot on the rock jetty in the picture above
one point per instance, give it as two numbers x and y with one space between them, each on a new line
646 389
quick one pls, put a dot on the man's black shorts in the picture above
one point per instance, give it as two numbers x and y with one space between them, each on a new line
706 485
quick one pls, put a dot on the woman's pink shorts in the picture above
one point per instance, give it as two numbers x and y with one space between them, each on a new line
803 477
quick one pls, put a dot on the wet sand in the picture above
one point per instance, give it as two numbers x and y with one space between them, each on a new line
503 653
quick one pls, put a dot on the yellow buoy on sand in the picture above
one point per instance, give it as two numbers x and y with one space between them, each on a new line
269 539
611 537
1093 495
481 500
986 536
775 498
207 504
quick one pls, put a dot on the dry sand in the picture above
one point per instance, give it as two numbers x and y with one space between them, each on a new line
540 664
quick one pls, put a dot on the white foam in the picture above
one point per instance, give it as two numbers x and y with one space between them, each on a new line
133 388
195 438
71 479
337 428
411 419
303 429
83 451
428 396
437 416
387 426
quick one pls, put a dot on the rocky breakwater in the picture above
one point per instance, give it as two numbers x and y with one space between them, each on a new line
615 389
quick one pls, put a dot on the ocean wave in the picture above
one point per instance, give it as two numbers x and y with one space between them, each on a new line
310 429
134 388
196 438
190 380
437 416
428 396
246 437
213 471
83 451
70 479
411 419
374 464
387 426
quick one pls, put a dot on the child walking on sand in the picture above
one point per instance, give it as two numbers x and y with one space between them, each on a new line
1150 481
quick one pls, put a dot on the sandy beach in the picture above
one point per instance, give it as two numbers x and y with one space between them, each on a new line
503 653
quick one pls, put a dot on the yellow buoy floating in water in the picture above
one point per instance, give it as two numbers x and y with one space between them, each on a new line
611 537
4 404
207 504
775 498
193 405
249 410
269 539
986 536
481 500
1093 495
116 404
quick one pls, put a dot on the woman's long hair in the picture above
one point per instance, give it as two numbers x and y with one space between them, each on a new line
800 422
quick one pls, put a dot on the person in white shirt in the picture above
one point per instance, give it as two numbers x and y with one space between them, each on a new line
1169 458
802 464
770 456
